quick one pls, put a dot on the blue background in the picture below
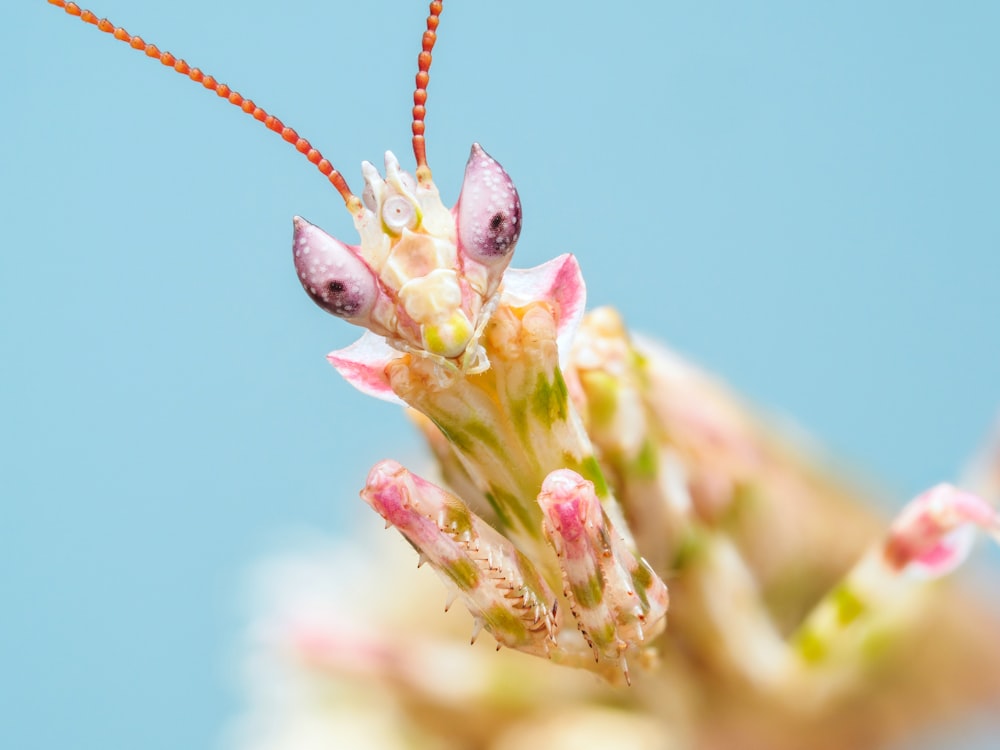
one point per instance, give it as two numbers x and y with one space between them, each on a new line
802 198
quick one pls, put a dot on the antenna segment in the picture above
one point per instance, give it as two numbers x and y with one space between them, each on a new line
420 93
236 99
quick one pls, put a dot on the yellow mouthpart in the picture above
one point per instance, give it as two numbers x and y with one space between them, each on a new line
448 338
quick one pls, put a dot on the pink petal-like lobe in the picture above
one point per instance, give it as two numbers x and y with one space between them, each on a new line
559 282
363 365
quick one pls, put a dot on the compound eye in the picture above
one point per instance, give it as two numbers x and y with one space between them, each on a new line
399 213
489 211
333 276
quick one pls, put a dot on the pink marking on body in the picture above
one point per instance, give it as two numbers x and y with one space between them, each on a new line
363 363
942 554
569 502
559 282
933 534
384 492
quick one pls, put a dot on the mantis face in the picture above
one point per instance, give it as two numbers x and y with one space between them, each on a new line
424 277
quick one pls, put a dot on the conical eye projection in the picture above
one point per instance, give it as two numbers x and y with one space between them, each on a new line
489 212
333 276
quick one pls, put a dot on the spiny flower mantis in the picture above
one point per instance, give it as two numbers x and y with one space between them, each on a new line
476 351
559 445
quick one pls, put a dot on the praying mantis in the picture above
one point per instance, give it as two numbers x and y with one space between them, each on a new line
436 172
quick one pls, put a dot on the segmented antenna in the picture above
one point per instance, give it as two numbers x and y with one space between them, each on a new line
420 93
247 105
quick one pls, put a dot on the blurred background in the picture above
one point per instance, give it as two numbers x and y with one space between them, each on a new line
801 198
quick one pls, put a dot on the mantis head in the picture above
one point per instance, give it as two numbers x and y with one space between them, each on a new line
425 278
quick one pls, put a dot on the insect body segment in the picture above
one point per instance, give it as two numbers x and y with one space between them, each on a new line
613 594
498 584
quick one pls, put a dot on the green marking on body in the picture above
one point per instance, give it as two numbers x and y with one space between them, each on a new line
433 340
463 572
591 471
589 593
646 465
454 436
689 549
642 581
639 360
499 619
602 397
605 635
848 605
746 498
560 393
528 516
518 414
811 646
531 577
498 509
482 432
879 643
541 398
456 518
549 400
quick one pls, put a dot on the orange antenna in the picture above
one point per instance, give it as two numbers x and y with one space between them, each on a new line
420 94
247 105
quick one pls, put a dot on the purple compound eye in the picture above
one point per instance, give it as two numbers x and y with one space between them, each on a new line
336 279
489 211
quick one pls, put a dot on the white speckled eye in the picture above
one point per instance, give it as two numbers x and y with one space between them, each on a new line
398 213
489 211
336 279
